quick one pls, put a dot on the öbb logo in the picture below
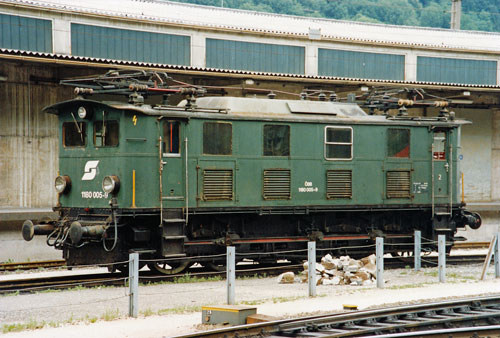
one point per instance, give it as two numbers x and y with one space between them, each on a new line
90 170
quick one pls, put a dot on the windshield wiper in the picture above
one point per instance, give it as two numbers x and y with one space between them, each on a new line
78 127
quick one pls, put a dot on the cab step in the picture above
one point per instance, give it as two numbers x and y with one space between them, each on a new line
174 220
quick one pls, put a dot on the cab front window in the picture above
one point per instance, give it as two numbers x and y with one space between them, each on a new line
106 133
74 134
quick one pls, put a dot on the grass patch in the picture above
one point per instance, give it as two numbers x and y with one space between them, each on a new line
32 324
110 315
431 273
17 327
179 310
148 312
406 286
252 302
254 276
187 278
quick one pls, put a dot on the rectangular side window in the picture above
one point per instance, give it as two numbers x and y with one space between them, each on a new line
439 146
398 143
217 138
74 134
338 143
106 133
276 140
171 138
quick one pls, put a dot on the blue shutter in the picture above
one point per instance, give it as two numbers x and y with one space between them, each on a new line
124 44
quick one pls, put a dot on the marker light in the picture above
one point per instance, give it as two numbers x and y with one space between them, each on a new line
82 112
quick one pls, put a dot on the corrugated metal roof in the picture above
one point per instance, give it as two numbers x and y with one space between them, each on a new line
238 20
91 60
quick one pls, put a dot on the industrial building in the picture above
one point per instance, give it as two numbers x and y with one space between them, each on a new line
43 42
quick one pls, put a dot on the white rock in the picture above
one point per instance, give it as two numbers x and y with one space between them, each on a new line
371 268
351 268
331 281
364 275
328 262
356 281
286 278
372 259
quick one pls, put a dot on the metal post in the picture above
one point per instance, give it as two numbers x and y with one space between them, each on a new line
418 250
133 280
231 273
442 258
456 13
311 274
497 257
380 262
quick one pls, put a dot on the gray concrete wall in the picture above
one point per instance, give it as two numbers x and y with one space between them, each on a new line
477 154
28 137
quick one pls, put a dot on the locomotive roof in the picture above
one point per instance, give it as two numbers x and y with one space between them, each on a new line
240 108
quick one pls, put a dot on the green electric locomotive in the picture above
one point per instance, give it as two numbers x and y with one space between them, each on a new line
266 175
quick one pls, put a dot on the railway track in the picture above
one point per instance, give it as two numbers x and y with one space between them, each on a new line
32 265
472 317
13 266
91 280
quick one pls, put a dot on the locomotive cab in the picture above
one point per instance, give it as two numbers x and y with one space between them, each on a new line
104 151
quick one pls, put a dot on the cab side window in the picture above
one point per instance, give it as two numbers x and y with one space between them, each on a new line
398 143
276 140
74 134
171 138
217 138
338 143
106 133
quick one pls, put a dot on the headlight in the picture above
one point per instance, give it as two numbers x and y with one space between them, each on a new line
62 184
82 112
111 184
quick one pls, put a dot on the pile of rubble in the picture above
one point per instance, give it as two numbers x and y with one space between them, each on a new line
337 271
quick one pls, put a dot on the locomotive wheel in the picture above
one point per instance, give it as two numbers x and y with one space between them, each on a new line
168 269
402 254
122 268
219 267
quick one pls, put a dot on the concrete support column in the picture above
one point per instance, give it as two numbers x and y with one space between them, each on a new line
311 62
198 53
411 66
495 154
61 37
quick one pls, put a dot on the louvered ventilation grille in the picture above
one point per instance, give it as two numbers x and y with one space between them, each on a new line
218 184
398 184
277 184
338 184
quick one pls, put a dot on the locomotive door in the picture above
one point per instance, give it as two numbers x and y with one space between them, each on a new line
441 171
172 166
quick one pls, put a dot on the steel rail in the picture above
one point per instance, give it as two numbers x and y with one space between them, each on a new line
431 317
59 263
32 265
90 280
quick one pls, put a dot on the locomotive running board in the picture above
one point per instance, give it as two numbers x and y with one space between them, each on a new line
294 239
